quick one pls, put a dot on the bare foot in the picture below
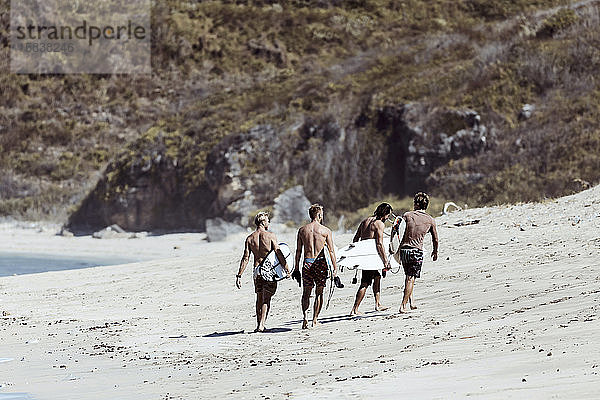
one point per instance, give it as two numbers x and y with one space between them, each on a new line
413 307
315 323
260 329
381 308
403 309
355 313
305 324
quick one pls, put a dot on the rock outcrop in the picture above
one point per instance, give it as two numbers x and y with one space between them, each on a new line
218 229
291 206
423 138
155 183
150 186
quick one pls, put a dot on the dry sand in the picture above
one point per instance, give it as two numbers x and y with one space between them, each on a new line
510 310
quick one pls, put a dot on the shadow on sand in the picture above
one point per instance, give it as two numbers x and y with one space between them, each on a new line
221 334
275 330
269 330
344 317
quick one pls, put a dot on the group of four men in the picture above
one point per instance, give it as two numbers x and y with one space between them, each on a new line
314 239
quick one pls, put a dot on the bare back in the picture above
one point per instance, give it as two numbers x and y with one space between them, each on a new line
369 228
418 224
313 237
260 244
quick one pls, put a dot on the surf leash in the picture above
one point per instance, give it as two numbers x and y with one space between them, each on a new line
335 283
331 289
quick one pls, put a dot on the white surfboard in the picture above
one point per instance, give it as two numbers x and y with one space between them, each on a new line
270 269
396 236
363 255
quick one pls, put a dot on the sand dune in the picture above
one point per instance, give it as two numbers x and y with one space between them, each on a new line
509 311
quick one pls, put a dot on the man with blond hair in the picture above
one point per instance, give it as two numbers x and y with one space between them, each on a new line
260 243
418 224
314 239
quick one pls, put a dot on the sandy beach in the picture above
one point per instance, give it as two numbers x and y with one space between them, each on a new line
510 310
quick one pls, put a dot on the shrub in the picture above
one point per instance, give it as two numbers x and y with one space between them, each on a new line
558 22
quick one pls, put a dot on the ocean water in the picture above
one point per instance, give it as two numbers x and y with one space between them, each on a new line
20 263
15 396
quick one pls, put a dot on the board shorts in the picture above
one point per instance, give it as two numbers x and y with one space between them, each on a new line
314 272
367 277
262 286
412 261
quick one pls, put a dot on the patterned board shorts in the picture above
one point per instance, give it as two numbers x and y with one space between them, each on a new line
412 261
314 272
263 286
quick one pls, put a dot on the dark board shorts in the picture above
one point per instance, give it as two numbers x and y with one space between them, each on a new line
412 261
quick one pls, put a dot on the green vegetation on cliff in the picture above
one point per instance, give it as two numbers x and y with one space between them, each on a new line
223 67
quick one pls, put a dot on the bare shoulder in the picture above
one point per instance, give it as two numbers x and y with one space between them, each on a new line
325 231
431 219
271 236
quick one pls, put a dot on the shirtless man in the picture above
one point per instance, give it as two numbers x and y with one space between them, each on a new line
260 243
312 238
372 228
418 224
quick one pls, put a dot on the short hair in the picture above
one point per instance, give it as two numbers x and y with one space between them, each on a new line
382 210
421 201
261 217
314 210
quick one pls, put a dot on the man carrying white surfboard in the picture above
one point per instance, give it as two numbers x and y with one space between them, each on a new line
260 243
372 228
315 240
418 224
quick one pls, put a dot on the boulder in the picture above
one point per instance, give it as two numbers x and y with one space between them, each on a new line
291 206
217 229
111 232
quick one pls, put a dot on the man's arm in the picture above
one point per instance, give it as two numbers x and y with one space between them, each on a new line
296 274
329 241
299 247
379 243
243 263
358 232
434 240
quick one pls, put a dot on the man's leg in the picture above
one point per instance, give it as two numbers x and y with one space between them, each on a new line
409 283
266 305
360 295
413 306
377 294
318 304
306 304
259 304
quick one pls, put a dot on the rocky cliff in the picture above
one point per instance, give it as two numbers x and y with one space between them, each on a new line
388 150
476 101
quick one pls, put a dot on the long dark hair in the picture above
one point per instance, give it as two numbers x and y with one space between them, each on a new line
382 210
